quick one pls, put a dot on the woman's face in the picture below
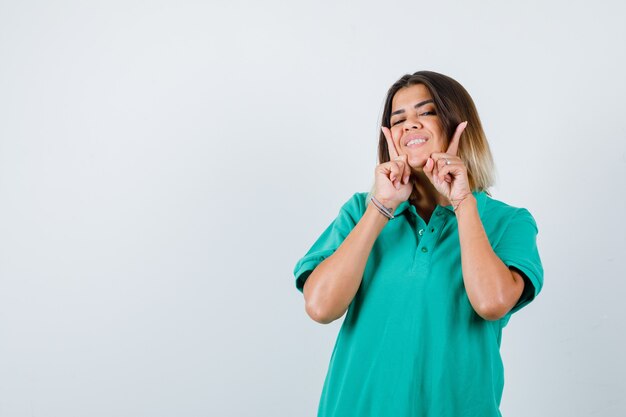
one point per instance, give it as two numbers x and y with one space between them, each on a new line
415 126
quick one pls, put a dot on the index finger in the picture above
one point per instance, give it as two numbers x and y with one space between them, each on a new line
393 152
454 143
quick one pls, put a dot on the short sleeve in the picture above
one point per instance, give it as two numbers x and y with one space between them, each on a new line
517 248
331 238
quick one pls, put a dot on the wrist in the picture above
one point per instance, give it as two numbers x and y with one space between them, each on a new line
390 204
383 206
462 204
374 213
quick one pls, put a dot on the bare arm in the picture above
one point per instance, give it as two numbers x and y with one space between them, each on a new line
492 288
332 285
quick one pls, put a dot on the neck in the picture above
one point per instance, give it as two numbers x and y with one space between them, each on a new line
425 196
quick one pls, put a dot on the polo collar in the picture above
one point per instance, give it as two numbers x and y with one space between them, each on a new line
481 197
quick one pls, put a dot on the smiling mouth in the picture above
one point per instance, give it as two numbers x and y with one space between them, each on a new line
414 143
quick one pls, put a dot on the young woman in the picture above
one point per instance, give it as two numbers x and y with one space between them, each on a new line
427 265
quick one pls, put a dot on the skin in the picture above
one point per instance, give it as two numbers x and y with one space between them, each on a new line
407 122
492 288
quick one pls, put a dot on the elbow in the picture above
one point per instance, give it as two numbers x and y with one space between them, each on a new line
496 307
321 307
315 309
319 314
492 311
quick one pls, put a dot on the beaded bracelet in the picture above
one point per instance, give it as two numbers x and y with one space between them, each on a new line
384 210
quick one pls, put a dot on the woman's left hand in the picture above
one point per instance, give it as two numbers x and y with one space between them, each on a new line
447 172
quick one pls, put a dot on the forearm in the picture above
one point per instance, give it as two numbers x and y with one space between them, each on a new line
332 285
491 287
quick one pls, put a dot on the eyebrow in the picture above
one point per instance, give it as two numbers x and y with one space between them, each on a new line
418 105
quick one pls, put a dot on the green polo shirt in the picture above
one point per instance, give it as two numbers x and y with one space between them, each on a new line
411 345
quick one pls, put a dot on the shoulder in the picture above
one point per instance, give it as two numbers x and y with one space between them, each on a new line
502 215
356 204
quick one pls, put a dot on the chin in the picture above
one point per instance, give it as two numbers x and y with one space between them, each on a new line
417 164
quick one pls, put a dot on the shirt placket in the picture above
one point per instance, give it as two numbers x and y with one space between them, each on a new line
427 237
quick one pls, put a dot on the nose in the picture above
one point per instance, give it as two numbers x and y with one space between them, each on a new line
412 122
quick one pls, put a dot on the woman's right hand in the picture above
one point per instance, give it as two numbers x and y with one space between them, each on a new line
392 183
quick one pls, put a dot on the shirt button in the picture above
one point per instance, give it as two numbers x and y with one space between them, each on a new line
424 249
420 232
440 213
432 229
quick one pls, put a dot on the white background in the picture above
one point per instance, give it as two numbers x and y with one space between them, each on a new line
164 164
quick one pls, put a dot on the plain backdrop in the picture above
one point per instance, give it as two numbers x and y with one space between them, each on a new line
164 164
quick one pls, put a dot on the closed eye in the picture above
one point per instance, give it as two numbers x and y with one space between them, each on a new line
426 113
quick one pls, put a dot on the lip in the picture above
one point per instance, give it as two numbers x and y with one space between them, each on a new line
412 136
